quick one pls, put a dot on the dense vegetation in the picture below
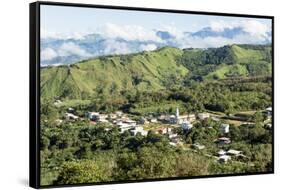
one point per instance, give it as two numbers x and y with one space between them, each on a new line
226 81
82 154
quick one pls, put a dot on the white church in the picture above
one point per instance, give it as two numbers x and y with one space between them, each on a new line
183 120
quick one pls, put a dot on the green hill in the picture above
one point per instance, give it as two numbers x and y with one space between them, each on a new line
154 70
142 71
228 61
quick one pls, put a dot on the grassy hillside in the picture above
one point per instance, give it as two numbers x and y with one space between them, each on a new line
228 61
110 74
154 70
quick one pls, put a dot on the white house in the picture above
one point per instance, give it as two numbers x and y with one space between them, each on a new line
173 135
58 121
112 116
198 146
153 120
139 129
269 111
233 152
71 116
203 116
57 102
173 144
179 119
124 128
70 110
173 119
126 124
221 152
223 140
186 125
191 117
143 121
224 158
224 128
119 113
93 115
164 118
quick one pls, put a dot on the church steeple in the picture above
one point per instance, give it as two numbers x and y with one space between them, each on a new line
177 113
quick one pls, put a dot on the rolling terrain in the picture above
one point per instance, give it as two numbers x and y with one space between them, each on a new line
153 70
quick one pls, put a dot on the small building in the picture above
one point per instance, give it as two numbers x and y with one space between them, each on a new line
224 158
173 119
191 117
186 125
268 126
164 118
71 116
70 110
143 121
103 120
139 129
153 120
172 135
58 121
182 119
233 152
198 146
173 144
164 130
93 115
102 117
112 116
124 128
223 140
221 152
125 124
215 118
175 140
224 128
57 102
161 117
119 113
203 116
269 111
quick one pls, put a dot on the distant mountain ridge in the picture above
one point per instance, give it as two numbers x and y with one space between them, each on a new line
71 50
153 70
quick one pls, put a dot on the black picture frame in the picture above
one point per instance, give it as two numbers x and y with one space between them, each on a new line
34 89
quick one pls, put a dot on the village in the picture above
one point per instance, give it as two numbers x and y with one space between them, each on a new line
164 124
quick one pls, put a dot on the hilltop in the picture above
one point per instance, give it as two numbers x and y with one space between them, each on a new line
153 70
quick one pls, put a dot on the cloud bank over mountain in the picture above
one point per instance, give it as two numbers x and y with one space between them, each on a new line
62 48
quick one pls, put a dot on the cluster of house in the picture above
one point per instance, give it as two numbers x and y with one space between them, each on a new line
70 114
225 156
124 123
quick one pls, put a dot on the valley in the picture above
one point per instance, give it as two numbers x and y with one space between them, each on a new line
164 113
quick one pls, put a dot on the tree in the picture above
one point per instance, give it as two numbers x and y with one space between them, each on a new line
83 171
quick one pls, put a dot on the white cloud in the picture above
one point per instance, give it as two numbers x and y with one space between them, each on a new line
148 47
63 36
173 30
114 47
48 54
128 32
220 25
256 29
69 48
251 27
253 32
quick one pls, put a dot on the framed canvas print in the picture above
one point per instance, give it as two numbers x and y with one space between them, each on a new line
123 94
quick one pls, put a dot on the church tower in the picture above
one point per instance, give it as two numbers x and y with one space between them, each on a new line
177 113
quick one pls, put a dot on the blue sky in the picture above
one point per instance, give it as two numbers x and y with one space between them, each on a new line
124 31
63 19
